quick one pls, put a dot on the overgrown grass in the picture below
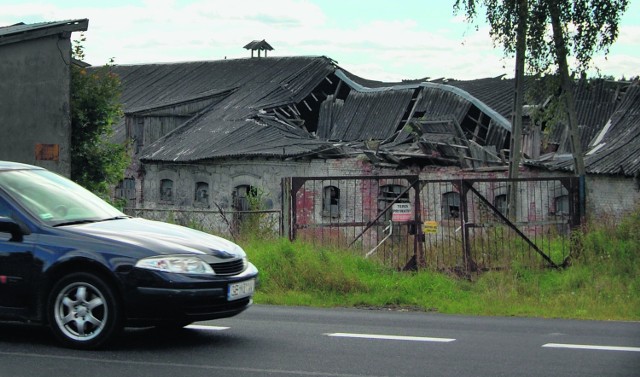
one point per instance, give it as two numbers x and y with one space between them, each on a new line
602 282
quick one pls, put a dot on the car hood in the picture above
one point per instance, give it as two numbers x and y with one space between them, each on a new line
158 238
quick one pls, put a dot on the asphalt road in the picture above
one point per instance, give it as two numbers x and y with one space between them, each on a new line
280 341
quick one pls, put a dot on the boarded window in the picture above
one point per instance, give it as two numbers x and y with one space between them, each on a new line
166 190
450 205
201 194
331 202
562 205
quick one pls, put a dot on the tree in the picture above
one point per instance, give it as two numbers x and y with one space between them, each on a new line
580 28
96 162
509 26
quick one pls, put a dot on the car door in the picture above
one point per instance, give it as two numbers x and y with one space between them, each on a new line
16 266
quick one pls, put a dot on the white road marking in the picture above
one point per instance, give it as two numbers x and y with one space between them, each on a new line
591 347
391 337
209 328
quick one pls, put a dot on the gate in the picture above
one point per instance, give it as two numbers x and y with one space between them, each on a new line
355 213
462 225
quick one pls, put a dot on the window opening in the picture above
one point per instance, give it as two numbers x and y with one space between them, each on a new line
387 194
201 194
500 202
562 205
166 190
331 202
450 205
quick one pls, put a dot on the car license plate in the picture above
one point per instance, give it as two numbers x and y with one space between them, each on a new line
241 289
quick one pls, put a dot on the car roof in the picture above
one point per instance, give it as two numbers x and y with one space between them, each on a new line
9 165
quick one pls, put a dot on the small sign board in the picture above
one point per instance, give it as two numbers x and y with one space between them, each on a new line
47 152
401 213
430 227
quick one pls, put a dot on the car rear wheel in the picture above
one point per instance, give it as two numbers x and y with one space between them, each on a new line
83 311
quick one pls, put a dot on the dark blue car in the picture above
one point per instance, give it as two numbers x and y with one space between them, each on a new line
73 262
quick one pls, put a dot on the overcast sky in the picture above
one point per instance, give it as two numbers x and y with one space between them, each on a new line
387 40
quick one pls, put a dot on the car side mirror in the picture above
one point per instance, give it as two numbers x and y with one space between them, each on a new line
8 225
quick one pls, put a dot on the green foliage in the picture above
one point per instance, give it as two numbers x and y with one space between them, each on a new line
259 223
96 163
589 26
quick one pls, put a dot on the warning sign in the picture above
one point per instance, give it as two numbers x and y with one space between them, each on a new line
401 213
430 227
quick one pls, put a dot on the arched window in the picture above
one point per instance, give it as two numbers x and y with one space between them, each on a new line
450 205
244 199
201 194
166 190
243 196
331 202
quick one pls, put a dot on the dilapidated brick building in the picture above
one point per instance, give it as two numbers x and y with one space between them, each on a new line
207 133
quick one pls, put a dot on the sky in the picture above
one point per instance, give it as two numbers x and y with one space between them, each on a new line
385 40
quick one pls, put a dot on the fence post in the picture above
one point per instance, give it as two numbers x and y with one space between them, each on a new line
285 221
464 220
418 238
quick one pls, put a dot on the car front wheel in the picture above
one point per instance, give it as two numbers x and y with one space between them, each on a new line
83 311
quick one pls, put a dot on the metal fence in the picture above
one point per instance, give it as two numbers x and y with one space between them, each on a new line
230 224
464 225
459 225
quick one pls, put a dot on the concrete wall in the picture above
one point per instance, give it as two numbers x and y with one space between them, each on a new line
34 103
611 196
223 177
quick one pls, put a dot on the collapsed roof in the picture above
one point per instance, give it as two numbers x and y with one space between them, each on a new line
612 143
308 107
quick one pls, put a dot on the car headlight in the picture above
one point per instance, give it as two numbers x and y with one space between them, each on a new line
177 263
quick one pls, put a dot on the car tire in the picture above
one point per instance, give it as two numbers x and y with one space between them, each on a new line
83 311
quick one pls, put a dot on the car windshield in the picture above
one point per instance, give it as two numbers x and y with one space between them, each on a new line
54 199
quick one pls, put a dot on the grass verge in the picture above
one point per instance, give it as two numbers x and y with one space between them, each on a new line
602 283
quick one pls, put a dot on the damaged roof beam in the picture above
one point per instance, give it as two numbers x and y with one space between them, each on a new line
294 110
415 99
338 87
284 111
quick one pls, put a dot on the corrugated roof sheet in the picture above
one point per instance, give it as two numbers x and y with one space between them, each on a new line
596 100
370 116
496 92
615 148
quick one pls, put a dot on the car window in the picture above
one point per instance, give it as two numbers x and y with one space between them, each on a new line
53 198
5 211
